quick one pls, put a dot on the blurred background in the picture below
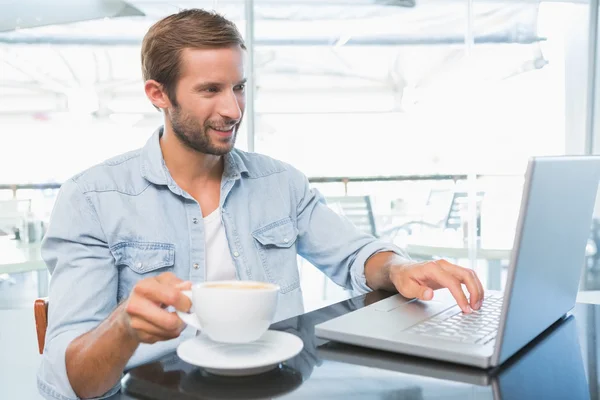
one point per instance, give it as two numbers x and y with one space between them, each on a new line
415 118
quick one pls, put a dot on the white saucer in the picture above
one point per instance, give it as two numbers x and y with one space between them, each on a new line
240 359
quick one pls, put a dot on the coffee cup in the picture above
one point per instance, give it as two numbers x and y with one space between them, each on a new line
232 311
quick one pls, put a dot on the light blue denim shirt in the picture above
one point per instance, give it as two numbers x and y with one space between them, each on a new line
126 219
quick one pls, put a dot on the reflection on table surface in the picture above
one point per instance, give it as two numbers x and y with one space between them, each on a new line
557 365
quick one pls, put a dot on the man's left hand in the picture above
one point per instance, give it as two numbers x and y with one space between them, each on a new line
419 280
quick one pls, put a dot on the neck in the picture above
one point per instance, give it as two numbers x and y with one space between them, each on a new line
188 166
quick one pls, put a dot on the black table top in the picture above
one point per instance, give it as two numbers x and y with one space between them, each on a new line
562 363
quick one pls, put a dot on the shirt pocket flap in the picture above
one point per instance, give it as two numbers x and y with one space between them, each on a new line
144 257
281 233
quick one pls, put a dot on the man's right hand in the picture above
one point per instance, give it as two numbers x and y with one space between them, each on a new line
144 311
95 360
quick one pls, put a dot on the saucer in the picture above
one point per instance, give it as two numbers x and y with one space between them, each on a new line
242 359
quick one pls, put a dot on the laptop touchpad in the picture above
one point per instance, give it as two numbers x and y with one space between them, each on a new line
400 313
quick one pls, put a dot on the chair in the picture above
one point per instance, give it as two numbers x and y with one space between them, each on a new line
357 209
40 310
459 201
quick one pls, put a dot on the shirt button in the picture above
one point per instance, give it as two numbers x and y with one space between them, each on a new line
196 266
195 220
236 254
139 265
286 240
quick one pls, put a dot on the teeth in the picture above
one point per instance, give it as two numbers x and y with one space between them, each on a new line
223 130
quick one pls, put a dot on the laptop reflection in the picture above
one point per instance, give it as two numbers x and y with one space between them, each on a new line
550 367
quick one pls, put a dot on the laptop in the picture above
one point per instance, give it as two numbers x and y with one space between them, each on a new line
548 255
563 375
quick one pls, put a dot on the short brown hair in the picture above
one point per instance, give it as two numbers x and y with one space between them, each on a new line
167 38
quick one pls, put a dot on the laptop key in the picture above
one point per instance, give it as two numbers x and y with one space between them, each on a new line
479 327
487 338
445 315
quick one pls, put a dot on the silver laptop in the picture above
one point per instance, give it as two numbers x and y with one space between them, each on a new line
543 280
557 349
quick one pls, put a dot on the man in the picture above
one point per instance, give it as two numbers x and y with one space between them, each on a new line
128 235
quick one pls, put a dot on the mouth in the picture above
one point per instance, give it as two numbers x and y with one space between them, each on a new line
225 131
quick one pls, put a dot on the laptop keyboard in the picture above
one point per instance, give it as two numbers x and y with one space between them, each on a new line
479 327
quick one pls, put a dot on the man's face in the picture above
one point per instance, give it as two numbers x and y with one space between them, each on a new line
210 99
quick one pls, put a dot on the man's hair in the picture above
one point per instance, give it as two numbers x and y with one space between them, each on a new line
166 39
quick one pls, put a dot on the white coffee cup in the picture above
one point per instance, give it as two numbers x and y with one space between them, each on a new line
232 311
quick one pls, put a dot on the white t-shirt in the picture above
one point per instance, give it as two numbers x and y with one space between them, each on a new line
219 264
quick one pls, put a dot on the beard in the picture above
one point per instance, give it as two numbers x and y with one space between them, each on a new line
196 136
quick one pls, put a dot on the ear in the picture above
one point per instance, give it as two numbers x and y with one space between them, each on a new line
155 93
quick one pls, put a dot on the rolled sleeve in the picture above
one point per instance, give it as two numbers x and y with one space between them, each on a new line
357 271
52 379
83 285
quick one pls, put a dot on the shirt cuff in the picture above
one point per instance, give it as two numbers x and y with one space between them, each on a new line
52 380
357 271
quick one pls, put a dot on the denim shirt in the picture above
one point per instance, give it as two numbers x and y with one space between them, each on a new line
126 219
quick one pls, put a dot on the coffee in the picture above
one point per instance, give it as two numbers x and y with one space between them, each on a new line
237 286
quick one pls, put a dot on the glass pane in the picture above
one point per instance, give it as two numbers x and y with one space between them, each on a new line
522 82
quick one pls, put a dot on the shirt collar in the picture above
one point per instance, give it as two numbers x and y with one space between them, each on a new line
154 169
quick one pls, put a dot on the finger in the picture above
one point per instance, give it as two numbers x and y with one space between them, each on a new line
469 278
437 274
186 285
145 309
146 328
481 290
150 339
410 288
162 293
168 278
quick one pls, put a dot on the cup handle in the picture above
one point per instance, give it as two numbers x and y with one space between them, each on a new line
189 318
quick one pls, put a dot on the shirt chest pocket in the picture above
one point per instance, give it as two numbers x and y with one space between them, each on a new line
139 260
276 245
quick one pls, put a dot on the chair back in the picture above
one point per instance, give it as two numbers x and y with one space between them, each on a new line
40 310
357 209
460 202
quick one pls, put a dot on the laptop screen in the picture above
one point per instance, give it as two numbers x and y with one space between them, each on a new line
549 248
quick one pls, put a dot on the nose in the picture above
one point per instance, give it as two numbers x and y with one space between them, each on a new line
230 107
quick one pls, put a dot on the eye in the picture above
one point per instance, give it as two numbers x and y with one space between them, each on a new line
240 87
212 89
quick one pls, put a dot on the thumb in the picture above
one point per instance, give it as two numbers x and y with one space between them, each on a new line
412 289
